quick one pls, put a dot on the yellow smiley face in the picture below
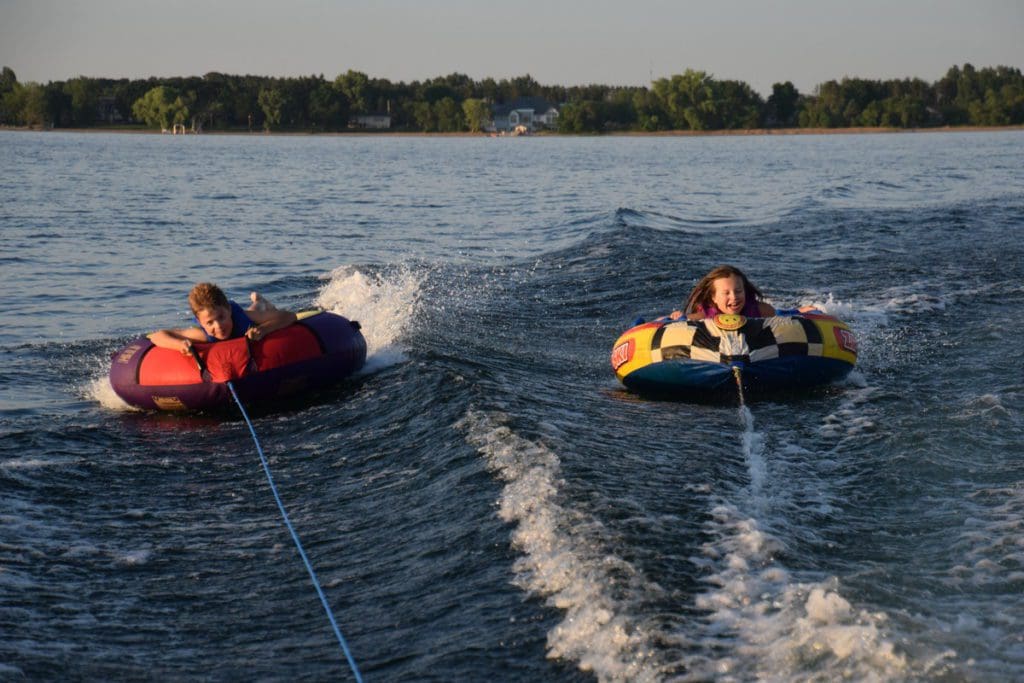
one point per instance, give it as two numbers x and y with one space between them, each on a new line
729 321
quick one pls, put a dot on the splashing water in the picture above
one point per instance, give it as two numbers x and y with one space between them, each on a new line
559 561
384 306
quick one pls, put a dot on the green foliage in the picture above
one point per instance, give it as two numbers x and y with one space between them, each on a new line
448 116
696 101
580 117
7 81
985 97
272 102
355 86
328 107
423 116
692 100
26 105
84 94
782 106
477 114
686 98
161 107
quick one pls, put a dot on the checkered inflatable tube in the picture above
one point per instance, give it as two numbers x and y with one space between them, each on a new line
689 359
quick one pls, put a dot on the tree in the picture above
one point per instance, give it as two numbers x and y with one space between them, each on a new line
161 107
734 105
328 107
354 85
7 81
781 108
580 117
650 115
84 93
41 105
423 116
618 111
477 113
688 99
448 116
271 101
822 110
26 105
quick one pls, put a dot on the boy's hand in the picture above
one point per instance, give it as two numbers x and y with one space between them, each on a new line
254 333
186 347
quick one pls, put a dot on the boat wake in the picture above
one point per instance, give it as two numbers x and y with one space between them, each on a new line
563 559
770 625
384 306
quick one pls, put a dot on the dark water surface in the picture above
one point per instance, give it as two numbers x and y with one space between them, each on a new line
484 502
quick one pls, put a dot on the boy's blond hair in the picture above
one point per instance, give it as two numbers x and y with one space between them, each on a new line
206 295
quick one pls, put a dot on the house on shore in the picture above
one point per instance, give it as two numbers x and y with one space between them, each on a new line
107 111
529 113
378 121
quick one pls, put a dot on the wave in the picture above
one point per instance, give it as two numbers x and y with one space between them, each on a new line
385 305
770 625
562 560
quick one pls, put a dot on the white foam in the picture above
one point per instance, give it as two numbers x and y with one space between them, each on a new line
990 544
133 558
783 630
384 306
762 623
562 559
830 306
33 463
99 389
851 417
753 452
986 409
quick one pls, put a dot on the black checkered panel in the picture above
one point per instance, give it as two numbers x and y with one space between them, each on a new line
758 340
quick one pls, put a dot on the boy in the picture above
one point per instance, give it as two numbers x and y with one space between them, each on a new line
221 319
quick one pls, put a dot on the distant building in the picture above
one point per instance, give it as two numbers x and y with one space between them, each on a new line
107 111
531 113
373 121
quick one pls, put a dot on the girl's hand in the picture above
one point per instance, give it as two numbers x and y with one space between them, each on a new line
254 333
185 347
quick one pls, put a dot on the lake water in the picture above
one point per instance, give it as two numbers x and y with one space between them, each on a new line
484 502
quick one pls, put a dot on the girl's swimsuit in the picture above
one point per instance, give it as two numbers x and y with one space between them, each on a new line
240 323
750 310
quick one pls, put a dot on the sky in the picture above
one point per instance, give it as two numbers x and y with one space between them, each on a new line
557 42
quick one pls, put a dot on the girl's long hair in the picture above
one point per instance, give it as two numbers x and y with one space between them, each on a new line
703 293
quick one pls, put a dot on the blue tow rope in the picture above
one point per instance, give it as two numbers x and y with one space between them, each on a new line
280 506
295 537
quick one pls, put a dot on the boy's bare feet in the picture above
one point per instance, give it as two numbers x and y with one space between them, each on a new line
259 303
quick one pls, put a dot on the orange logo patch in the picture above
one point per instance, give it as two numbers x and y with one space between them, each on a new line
623 353
847 342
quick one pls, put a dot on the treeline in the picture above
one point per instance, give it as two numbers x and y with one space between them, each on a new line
693 100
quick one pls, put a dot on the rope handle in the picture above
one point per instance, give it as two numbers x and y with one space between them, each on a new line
204 373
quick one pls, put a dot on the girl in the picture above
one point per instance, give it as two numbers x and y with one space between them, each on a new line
725 290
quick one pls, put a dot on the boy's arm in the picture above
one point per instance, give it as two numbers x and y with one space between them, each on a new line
178 340
268 321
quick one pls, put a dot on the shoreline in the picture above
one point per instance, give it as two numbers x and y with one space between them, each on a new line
542 134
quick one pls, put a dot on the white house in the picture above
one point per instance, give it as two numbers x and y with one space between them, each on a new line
532 113
374 121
